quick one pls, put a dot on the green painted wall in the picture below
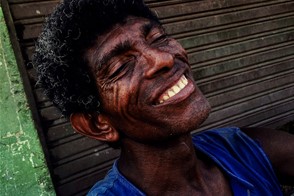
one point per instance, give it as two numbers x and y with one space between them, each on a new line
22 166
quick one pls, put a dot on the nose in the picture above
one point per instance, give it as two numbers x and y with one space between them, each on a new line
158 62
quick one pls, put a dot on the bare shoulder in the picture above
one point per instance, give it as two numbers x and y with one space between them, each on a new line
279 146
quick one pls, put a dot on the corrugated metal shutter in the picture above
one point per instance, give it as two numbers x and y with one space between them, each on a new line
241 53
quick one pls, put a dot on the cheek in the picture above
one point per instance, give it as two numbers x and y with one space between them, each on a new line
116 98
109 98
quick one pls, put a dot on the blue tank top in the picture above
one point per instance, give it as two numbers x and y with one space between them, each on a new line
242 159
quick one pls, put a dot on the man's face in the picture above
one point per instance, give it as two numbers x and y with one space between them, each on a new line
145 82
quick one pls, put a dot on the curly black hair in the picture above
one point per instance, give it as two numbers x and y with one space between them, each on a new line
68 32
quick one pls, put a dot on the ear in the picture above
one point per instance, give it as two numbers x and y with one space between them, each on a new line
96 126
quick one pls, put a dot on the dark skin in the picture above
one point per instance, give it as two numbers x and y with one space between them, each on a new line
138 68
279 146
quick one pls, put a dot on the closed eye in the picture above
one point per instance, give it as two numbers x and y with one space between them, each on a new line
160 39
118 71
121 70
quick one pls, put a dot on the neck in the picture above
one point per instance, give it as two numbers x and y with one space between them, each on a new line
159 168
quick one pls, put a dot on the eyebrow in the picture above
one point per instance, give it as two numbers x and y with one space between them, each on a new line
125 46
145 29
119 49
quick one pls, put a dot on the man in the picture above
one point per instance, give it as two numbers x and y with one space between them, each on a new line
110 66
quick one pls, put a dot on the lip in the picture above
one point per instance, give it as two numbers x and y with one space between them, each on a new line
180 96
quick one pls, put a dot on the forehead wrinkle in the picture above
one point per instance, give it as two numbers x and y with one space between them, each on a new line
117 50
93 53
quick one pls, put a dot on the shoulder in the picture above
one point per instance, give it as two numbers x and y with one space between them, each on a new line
240 156
105 186
279 147
114 184
222 135
231 143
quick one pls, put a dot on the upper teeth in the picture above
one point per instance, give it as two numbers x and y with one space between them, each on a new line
175 89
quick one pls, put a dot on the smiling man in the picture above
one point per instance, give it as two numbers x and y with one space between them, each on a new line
111 68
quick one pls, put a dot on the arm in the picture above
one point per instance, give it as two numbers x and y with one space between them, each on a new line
279 146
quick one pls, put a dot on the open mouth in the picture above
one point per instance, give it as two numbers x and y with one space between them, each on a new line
174 90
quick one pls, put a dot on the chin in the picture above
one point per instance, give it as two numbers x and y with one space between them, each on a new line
187 125
199 115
